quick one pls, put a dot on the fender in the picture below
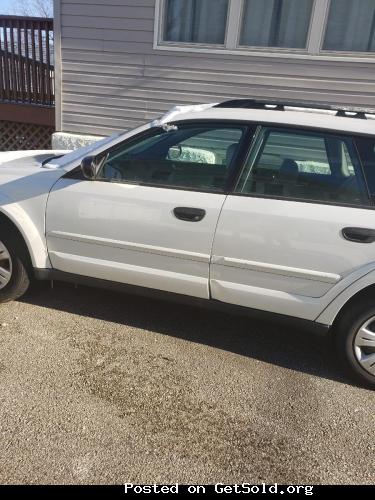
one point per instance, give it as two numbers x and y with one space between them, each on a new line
31 233
328 315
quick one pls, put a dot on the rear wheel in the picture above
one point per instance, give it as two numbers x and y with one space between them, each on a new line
355 340
14 279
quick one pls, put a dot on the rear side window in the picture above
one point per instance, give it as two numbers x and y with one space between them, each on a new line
366 149
304 165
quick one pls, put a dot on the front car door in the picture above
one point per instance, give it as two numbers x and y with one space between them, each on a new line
149 217
284 241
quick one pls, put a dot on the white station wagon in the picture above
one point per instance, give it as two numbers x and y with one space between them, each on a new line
266 208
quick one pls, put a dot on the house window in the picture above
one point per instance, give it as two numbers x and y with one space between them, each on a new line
195 21
351 26
276 23
292 27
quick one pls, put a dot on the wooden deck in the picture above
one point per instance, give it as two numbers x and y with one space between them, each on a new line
27 91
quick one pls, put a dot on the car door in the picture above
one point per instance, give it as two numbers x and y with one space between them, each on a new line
298 226
149 217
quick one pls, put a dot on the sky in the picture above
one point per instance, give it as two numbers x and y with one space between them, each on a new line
5 6
20 6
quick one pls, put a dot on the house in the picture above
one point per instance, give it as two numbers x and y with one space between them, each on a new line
124 62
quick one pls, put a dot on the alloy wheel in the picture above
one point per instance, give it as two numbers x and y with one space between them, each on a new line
364 345
5 266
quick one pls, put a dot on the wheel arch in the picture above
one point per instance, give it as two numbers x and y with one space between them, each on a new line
362 289
28 235
363 295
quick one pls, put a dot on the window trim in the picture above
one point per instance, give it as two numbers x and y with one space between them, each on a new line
255 128
242 154
314 43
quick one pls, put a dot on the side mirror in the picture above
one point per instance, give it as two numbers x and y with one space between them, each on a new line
88 168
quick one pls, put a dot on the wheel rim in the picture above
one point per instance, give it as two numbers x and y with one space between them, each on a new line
5 266
364 346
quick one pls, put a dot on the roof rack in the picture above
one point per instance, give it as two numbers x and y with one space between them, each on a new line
280 105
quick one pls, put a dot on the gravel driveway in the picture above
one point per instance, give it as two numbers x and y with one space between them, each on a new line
98 387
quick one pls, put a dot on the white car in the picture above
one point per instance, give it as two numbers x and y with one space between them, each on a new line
258 207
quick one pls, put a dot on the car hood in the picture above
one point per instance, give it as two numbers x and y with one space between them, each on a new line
22 163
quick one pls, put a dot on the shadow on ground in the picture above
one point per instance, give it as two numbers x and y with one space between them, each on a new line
271 343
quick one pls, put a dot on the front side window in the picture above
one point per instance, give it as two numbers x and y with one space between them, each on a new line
192 157
195 21
276 23
351 26
304 165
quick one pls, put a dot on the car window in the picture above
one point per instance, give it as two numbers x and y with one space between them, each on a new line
366 149
306 165
195 157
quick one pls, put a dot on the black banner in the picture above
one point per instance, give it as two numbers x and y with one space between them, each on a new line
245 490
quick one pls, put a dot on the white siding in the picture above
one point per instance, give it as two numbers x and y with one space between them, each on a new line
112 78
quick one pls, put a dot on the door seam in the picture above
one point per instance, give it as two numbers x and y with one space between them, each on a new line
212 247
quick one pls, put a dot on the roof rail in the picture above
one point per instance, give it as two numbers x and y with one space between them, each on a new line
280 105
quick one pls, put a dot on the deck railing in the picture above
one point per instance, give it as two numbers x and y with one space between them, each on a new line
26 60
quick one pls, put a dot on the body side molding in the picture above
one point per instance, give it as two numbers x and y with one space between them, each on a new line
276 269
127 245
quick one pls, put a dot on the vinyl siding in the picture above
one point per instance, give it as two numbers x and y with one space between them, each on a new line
113 79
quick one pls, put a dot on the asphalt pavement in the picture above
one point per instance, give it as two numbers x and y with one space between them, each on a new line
98 387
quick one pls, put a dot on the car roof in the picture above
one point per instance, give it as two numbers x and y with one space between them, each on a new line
307 118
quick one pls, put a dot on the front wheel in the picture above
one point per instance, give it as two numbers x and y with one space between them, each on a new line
14 279
355 340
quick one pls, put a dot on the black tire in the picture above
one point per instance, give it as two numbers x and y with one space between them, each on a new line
19 281
346 331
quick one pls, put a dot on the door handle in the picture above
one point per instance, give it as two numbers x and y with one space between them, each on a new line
189 214
359 234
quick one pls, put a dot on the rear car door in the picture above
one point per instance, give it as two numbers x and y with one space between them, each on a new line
299 224
149 217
